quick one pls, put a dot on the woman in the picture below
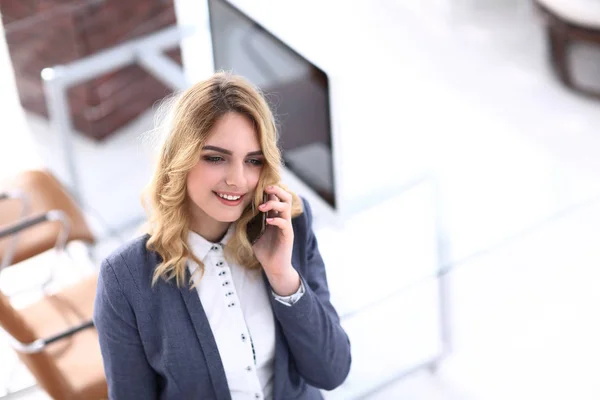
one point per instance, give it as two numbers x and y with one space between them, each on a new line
193 310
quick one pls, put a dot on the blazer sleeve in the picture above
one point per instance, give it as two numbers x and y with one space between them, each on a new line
318 344
128 374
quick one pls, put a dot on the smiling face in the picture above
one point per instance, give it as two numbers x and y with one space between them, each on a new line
222 184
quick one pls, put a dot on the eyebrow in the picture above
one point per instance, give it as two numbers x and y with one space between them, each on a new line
229 152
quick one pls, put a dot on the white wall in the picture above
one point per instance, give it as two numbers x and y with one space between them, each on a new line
21 152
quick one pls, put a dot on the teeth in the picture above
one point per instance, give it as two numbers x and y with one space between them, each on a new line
228 197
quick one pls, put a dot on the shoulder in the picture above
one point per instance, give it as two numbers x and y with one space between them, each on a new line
303 229
130 252
131 261
302 222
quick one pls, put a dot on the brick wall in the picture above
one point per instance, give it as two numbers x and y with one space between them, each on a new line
43 33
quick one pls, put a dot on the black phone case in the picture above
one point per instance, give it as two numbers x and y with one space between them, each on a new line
257 225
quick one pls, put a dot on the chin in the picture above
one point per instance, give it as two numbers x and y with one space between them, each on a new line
229 218
224 216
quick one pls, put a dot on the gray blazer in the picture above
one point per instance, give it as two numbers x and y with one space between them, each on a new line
156 342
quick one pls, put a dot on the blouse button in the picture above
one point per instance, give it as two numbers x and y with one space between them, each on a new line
248 368
243 337
257 396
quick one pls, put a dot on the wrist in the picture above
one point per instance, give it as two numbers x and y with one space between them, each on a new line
285 283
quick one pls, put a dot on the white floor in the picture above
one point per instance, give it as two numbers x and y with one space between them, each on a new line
518 158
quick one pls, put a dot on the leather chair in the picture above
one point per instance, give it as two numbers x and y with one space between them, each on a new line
54 337
569 21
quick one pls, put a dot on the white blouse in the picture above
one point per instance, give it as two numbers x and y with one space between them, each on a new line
236 303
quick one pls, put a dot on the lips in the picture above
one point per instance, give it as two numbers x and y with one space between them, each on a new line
227 202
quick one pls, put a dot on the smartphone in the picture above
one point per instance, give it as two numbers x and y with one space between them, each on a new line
257 225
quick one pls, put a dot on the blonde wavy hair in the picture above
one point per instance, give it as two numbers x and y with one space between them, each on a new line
185 125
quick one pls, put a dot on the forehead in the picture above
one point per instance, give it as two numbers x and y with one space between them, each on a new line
234 131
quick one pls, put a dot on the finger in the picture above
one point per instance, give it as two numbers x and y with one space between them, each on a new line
273 213
272 205
279 192
281 223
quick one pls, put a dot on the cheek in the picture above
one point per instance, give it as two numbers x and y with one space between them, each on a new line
253 177
198 180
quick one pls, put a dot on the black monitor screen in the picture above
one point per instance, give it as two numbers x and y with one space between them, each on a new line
297 91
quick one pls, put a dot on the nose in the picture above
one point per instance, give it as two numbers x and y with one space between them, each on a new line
235 175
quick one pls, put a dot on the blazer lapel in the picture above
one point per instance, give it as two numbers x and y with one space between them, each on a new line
281 359
280 364
207 341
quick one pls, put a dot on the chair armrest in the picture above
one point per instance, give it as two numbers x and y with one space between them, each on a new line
25 206
17 194
40 344
25 223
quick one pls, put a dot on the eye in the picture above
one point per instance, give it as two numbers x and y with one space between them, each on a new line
255 161
213 159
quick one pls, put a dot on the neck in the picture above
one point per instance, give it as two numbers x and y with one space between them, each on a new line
213 231
206 226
